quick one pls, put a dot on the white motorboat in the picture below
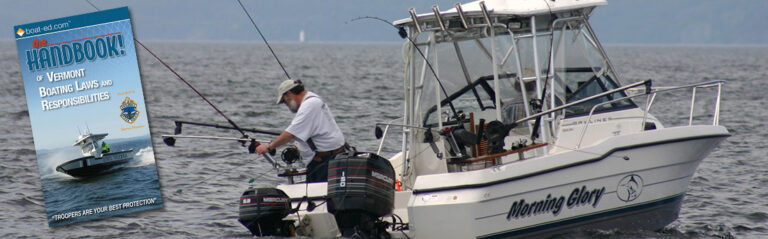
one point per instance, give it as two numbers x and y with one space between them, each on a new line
515 125
95 161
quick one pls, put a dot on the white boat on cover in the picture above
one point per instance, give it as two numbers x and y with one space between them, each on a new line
95 162
515 125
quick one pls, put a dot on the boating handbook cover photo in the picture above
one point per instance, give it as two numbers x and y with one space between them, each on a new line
88 117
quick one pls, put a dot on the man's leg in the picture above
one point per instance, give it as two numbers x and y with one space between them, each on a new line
311 171
322 170
317 171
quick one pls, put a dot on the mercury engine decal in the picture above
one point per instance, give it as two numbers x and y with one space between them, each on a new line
578 197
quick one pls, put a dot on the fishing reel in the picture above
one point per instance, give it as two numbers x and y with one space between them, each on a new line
536 105
495 132
290 155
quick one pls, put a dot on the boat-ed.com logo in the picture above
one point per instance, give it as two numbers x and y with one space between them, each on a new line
128 111
20 32
629 187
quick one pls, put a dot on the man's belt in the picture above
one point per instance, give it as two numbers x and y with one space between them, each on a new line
318 155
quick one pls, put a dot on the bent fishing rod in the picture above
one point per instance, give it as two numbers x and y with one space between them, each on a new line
185 82
170 140
264 38
403 34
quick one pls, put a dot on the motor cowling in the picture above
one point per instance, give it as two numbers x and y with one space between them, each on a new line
361 188
262 211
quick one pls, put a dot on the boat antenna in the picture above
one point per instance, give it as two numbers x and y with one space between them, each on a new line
403 34
265 39
185 82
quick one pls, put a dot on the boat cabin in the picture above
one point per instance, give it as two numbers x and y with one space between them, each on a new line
492 82
90 144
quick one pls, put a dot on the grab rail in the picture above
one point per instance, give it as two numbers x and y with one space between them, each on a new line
633 85
651 96
384 135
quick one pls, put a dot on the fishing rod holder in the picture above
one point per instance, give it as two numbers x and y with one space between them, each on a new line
486 16
415 19
461 16
439 18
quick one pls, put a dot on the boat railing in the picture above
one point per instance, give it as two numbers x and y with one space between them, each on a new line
384 135
646 83
650 95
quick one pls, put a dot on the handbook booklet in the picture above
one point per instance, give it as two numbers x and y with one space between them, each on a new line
88 117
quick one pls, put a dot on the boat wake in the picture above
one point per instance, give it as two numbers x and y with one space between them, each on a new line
58 176
143 157
47 163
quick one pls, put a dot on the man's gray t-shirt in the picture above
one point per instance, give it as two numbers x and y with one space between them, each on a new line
314 120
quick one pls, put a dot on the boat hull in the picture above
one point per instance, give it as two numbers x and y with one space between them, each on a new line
630 183
633 182
90 166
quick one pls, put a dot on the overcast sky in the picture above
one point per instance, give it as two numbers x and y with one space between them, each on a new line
621 21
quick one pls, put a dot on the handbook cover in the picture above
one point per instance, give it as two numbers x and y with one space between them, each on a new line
88 117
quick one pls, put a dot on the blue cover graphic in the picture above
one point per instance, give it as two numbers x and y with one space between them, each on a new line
88 117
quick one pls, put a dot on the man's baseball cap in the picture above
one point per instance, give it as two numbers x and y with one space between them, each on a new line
285 87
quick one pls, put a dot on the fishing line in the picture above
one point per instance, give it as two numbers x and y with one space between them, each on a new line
265 39
219 174
403 34
183 80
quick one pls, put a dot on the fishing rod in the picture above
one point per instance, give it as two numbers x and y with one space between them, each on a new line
264 38
180 123
170 140
185 82
403 34
539 103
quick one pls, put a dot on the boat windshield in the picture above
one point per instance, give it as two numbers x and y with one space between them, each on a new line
462 59
463 65
87 148
581 71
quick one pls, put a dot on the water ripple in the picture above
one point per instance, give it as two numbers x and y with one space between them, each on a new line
362 84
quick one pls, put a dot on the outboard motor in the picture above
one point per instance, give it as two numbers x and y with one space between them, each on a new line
361 189
262 211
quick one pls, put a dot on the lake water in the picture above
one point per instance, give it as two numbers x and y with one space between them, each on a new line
201 180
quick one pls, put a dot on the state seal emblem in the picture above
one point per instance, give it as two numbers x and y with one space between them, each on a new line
128 111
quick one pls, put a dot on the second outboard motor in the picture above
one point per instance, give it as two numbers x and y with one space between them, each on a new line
361 188
262 211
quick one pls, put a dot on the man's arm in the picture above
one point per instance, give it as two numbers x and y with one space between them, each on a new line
284 138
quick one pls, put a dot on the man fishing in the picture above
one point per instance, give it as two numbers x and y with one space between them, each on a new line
313 127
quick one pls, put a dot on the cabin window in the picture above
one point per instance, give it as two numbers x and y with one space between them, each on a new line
581 71
87 148
468 80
